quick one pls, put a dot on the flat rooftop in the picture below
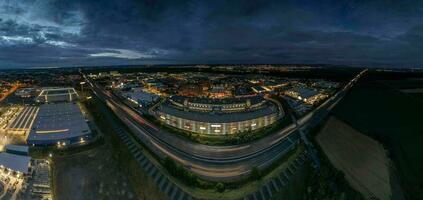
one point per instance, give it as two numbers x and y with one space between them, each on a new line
53 94
58 121
254 100
15 162
141 95
57 91
218 117
305 92
17 148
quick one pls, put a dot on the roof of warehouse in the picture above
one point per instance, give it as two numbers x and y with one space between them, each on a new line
20 148
59 121
305 92
15 162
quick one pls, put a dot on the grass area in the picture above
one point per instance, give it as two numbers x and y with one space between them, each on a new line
393 118
418 95
92 174
326 183
297 187
362 159
145 186
53 179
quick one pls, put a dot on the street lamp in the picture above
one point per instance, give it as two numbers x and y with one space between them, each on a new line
82 86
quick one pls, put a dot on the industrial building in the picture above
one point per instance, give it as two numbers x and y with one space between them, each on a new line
22 150
217 116
54 94
25 92
306 95
140 97
60 124
16 163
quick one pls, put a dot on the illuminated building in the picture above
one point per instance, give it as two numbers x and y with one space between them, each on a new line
60 124
217 116
16 163
219 92
25 92
57 95
306 95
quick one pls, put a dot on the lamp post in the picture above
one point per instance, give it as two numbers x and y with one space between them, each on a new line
82 86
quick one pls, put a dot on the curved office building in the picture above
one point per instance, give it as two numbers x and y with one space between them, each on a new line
217 116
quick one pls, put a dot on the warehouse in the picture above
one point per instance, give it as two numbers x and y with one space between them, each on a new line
16 163
60 124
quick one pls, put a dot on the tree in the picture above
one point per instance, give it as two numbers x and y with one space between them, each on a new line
170 165
255 173
220 187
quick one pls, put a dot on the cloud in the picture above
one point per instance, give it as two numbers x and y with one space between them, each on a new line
121 53
15 40
53 32
59 43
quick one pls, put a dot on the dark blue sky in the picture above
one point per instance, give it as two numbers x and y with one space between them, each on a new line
48 33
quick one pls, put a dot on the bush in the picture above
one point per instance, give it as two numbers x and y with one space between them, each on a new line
185 176
170 165
255 173
220 187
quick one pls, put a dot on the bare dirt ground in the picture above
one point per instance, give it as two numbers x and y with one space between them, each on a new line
92 174
363 160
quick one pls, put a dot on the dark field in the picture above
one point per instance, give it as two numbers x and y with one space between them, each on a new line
92 174
395 119
418 95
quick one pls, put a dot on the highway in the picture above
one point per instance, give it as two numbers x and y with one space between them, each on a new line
213 162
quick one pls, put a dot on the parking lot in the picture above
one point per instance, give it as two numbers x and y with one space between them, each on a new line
35 185
12 185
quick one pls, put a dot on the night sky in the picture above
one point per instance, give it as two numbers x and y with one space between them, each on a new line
47 33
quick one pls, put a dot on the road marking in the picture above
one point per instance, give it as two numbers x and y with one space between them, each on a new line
172 195
255 195
152 170
268 189
158 178
273 185
144 162
148 164
169 189
166 185
162 182
181 196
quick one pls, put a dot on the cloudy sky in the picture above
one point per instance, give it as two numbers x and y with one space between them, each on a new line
49 33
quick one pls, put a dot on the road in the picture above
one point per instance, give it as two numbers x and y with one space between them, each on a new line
213 162
15 86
